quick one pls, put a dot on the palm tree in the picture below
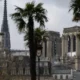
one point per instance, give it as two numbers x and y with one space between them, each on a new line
75 6
39 37
24 18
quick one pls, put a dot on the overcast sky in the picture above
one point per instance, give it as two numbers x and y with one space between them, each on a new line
58 15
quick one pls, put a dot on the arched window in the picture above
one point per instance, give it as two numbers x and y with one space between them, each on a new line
66 76
74 43
61 77
55 43
55 76
69 44
16 70
24 71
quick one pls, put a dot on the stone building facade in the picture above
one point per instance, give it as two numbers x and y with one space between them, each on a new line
70 46
52 46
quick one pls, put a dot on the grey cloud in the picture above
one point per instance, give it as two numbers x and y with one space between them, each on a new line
57 3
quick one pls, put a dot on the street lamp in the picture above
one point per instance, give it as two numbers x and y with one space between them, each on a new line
39 52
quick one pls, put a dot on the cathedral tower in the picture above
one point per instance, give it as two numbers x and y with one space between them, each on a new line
5 28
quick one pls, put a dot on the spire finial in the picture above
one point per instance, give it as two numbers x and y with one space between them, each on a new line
5 11
5 29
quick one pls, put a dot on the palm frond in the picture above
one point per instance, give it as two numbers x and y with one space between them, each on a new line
40 14
20 24
26 37
39 9
38 32
41 18
76 17
39 5
18 9
18 18
29 8
15 15
75 6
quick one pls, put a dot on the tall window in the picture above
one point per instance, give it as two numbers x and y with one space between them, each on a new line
74 43
16 70
55 47
61 77
45 48
69 44
55 76
23 71
52 49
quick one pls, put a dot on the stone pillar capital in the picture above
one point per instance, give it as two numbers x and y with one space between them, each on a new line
64 36
75 34
71 35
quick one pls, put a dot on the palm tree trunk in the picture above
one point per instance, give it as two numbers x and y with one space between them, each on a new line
32 49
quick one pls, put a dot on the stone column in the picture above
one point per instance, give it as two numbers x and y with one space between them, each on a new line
66 49
43 50
63 47
77 53
49 49
66 44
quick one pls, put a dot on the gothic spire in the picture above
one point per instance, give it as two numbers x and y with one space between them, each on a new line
5 29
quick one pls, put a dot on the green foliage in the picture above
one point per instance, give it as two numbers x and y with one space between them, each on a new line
21 16
75 6
39 35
